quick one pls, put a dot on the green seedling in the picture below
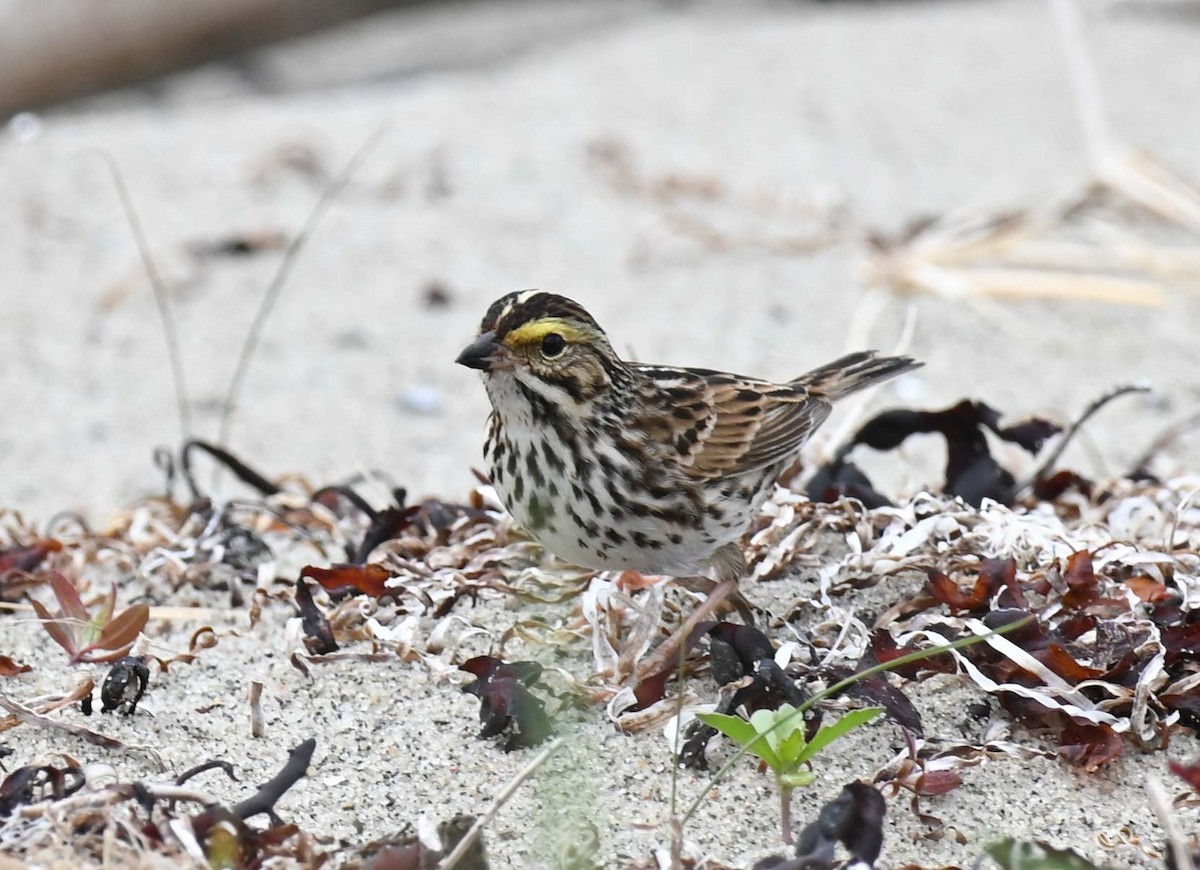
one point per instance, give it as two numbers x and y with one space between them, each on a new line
835 689
103 636
777 738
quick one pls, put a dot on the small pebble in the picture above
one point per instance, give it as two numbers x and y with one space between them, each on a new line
423 399
25 127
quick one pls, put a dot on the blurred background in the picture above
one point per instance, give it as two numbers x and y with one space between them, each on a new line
1004 188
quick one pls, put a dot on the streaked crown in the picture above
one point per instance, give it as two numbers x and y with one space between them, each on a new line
525 308
549 344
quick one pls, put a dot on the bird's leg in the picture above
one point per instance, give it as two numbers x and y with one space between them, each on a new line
743 605
706 585
666 657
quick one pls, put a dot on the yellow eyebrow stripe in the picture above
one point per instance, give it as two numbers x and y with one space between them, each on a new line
533 332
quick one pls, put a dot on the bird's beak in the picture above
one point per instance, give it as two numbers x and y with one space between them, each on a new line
481 353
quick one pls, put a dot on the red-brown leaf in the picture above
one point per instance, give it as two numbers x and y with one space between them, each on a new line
1080 578
27 558
1181 640
652 689
1090 746
1150 591
1050 488
883 649
947 592
1189 773
204 637
274 837
1063 663
94 654
370 579
9 668
124 628
1079 624
994 573
59 633
935 782
68 598
1080 571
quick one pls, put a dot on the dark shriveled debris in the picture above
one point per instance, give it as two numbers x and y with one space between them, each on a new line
1110 570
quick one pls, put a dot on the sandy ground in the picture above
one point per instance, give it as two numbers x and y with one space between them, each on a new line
544 165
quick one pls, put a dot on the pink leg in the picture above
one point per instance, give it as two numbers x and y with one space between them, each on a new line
667 655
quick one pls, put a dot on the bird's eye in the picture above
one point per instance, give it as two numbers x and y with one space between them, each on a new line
553 344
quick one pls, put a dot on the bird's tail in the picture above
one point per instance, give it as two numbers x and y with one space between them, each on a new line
854 372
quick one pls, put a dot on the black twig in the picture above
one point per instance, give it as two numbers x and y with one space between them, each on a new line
206 766
264 800
347 492
1047 467
244 473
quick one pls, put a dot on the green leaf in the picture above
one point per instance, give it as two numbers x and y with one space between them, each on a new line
793 747
742 732
798 778
1013 854
842 727
763 722
97 624
734 727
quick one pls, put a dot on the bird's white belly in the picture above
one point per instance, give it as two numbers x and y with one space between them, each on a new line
586 516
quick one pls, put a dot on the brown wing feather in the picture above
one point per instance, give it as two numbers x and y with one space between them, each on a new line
792 425
716 424
724 425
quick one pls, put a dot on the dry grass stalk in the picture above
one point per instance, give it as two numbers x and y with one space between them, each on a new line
1063 251
1016 256
257 729
32 717
505 794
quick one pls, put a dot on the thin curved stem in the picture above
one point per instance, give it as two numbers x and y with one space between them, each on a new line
265 307
165 315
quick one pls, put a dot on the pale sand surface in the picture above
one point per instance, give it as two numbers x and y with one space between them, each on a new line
487 180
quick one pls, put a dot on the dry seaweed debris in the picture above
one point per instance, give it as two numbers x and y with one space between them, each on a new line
1110 571
1106 575
42 805
1109 661
1113 579
506 702
1113 644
